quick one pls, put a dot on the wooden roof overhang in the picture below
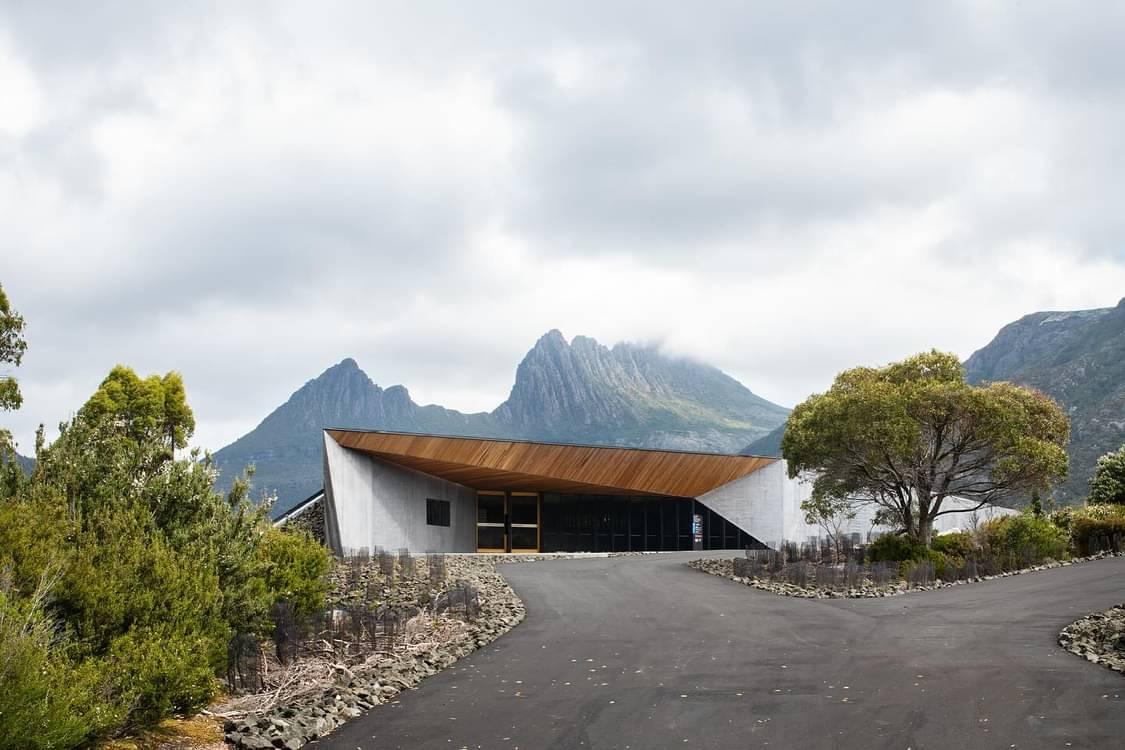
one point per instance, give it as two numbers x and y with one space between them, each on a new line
514 465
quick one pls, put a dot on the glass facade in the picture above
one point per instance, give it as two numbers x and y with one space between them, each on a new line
621 523
553 522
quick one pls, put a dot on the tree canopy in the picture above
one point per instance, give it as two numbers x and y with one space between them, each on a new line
12 347
1108 483
155 407
124 574
907 436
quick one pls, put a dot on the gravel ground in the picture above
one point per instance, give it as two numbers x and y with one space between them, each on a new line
1099 638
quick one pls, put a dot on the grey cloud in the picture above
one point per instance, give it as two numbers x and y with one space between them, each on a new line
640 165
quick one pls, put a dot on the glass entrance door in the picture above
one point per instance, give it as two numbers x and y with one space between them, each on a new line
491 527
523 512
507 522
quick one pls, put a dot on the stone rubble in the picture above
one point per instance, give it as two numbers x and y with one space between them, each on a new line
1098 638
724 568
290 727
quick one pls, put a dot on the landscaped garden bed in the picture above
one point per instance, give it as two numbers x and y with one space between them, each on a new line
818 580
394 620
894 564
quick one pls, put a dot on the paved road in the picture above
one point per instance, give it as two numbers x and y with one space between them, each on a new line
647 653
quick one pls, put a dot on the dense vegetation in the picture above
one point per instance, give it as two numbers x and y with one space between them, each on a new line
123 574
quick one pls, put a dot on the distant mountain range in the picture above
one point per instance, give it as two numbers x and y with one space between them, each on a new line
579 391
1077 358
26 463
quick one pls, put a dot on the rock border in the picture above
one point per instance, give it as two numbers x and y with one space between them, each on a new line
1098 638
724 568
291 727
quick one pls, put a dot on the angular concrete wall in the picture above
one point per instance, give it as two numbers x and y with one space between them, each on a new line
372 503
767 505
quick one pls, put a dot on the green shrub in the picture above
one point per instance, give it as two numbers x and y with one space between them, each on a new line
155 572
900 549
1097 528
296 569
1019 541
160 670
957 544
942 563
895 548
1061 517
150 613
47 702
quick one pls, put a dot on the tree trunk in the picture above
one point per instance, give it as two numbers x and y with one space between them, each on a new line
925 531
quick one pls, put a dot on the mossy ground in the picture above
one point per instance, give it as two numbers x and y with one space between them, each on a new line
197 733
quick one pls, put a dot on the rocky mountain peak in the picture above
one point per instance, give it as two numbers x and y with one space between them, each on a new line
1078 358
581 391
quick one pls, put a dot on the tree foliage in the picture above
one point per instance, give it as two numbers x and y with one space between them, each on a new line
12 347
907 436
1108 483
831 513
153 409
152 571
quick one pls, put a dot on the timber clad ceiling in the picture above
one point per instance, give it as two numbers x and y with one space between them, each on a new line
549 467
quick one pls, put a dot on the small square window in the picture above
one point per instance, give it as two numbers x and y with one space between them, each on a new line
437 512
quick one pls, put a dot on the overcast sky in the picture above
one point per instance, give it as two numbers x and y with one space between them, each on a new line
249 192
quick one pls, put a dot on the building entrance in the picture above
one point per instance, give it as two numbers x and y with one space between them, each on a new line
507 521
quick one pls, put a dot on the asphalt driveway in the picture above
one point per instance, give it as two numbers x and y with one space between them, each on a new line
644 652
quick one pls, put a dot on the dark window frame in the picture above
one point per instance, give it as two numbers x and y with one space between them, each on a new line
437 512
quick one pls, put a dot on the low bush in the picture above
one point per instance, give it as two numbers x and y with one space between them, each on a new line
1097 528
296 569
1023 540
942 563
957 544
895 548
904 551
47 701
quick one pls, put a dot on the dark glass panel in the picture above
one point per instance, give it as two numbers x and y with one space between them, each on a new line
490 537
490 509
524 509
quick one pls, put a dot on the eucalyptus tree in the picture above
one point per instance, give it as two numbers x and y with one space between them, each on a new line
1108 483
907 437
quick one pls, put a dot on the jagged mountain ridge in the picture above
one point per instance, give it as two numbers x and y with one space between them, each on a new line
579 391
1076 357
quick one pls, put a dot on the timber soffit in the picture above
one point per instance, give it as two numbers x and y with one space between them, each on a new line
484 463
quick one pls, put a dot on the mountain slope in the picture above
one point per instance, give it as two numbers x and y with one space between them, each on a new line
767 445
1078 358
568 392
286 447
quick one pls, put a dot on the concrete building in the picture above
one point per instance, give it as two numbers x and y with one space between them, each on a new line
455 494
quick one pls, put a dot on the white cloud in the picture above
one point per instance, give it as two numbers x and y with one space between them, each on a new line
249 196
